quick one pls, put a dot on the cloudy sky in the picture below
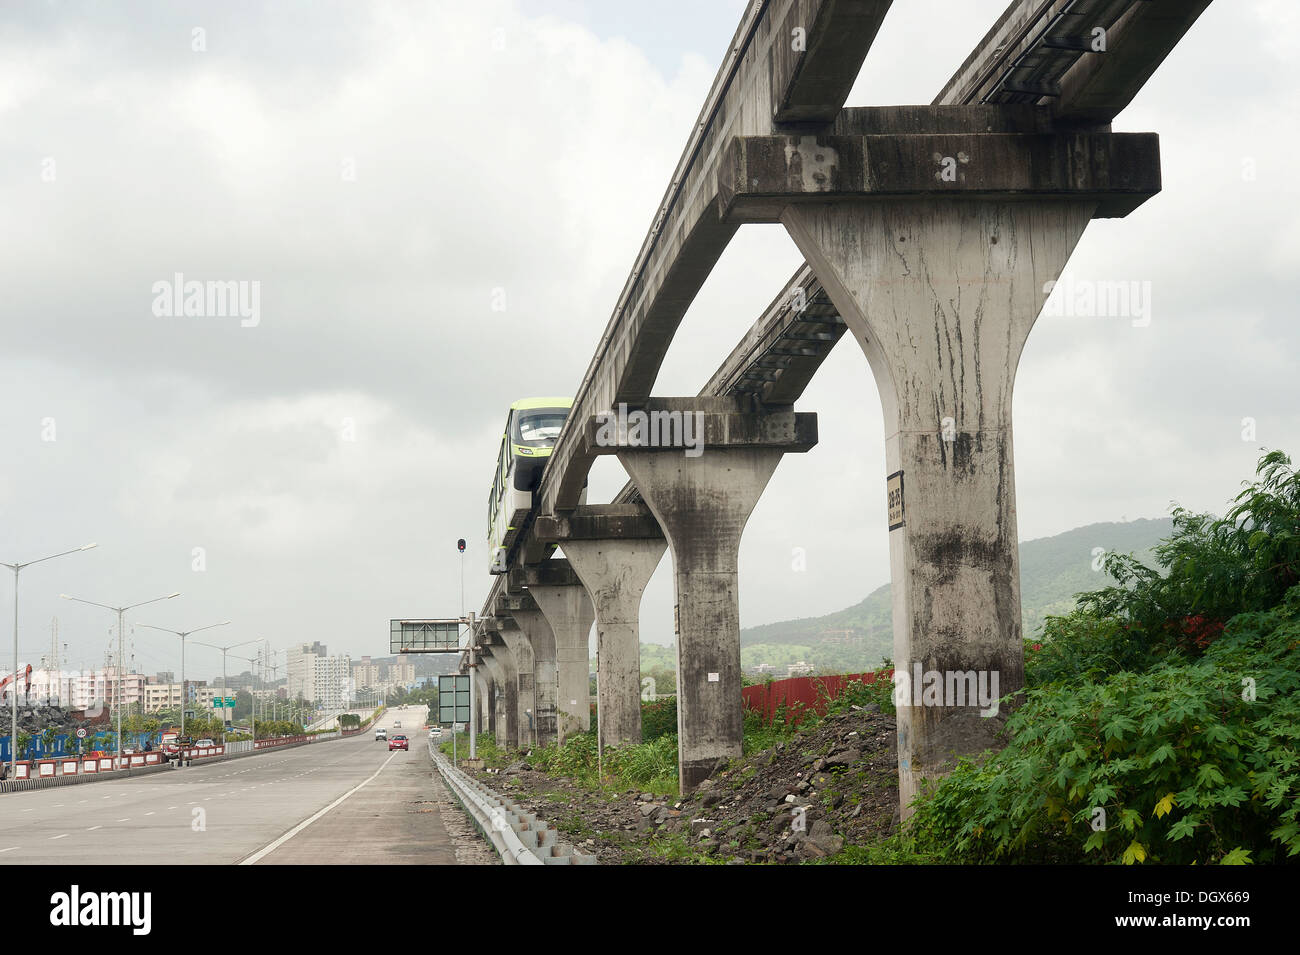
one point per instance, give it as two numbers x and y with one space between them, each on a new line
388 171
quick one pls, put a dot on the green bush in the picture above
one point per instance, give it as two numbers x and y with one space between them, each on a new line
1162 717
659 719
1185 768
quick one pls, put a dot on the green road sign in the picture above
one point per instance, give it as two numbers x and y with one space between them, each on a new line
414 636
453 699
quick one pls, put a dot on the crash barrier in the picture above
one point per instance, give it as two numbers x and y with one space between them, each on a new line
519 837
39 773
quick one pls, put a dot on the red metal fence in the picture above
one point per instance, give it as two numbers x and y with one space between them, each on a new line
803 693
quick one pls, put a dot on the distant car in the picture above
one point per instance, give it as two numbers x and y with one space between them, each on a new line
434 733
381 733
399 742
397 724
205 742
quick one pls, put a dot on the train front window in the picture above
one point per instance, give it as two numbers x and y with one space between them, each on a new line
539 428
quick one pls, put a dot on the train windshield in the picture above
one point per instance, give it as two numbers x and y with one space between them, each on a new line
538 427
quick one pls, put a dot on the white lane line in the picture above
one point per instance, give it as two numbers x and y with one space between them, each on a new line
63 836
127 819
26 810
93 828
261 853
148 813
171 807
10 849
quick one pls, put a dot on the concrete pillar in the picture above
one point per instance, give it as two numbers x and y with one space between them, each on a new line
501 710
702 501
564 601
614 549
533 626
941 296
483 696
938 233
520 650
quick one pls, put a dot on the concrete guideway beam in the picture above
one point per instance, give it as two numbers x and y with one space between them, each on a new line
614 549
941 296
702 504
568 609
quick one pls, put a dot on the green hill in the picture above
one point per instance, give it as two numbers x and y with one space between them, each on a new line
1052 571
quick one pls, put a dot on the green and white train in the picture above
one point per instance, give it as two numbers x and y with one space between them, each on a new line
532 428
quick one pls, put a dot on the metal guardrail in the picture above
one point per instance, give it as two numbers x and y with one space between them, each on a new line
519 837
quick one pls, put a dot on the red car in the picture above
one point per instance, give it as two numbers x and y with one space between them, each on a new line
398 742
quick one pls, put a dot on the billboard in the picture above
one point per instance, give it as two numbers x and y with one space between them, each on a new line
416 635
453 699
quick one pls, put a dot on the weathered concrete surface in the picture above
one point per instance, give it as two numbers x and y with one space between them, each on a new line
569 611
541 641
505 689
485 693
614 549
702 504
1092 87
988 152
941 296
520 649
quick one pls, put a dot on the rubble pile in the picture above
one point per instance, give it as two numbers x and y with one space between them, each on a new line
806 798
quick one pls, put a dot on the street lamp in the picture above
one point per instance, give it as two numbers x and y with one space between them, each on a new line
13 739
183 634
121 612
223 675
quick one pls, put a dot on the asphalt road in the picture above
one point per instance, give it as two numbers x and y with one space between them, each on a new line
341 802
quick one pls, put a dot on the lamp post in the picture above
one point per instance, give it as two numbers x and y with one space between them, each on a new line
13 738
223 675
121 615
183 634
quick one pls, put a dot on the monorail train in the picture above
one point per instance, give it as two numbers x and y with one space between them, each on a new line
532 428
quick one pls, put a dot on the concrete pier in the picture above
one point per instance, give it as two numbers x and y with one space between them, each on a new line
520 650
614 549
947 229
523 609
702 503
563 600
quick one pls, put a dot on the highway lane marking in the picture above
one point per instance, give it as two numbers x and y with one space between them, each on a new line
261 853
127 819
93 828
63 836
148 813
171 807
10 849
